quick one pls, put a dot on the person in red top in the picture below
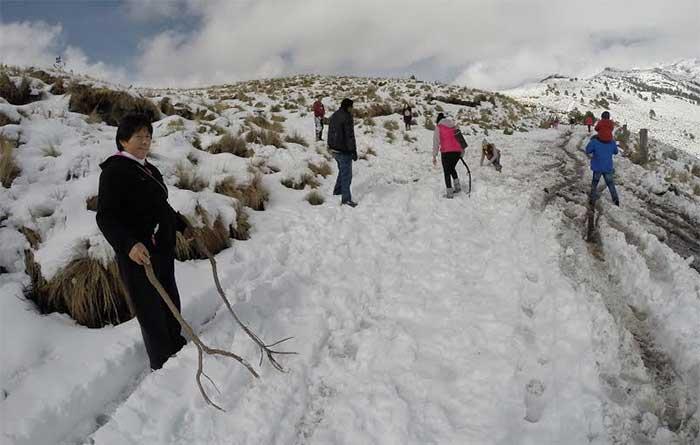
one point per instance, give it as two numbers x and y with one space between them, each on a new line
589 122
604 127
319 114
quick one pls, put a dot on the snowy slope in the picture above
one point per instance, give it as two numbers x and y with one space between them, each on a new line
671 91
486 319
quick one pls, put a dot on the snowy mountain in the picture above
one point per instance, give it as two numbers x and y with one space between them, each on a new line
665 99
498 317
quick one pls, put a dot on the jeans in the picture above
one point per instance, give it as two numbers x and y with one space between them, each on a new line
449 162
342 184
609 181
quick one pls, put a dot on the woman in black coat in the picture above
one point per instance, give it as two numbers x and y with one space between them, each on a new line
134 215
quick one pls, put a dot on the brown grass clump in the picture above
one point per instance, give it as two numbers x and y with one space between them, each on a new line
58 88
375 110
242 230
264 137
188 180
215 236
278 118
253 194
108 104
265 124
8 165
231 144
91 203
296 138
301 183
391 125
5 120
15 95
90 293
45 77
315 198
324 169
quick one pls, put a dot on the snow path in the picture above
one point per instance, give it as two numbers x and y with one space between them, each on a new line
417 320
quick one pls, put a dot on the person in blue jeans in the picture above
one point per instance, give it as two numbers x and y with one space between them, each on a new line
601 154
341 143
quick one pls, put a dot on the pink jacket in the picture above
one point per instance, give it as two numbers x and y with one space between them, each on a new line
444 138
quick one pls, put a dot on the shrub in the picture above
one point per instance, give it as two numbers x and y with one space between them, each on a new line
187 179
695 170
15 95
324 169
275 108
301 183
175 125
263 123
58 88
315 198
108 104
429 124
278 118
231 144
5 120
242 230
89 292
8 166
296 138
368 121
375 110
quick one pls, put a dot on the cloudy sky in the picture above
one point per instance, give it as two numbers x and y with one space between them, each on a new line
492 44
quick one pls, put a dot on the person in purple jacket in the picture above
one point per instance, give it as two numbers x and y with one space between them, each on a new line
601 154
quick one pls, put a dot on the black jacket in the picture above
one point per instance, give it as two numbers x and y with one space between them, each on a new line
341 132
132 201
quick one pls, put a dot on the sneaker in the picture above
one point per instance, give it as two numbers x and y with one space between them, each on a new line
349 203
457 186
617 202
449 194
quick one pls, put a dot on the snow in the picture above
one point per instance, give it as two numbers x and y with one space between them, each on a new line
417 320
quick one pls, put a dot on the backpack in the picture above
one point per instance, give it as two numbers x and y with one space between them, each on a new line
460 138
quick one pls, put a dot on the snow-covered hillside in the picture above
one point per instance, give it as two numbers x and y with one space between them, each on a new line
665 100
484 319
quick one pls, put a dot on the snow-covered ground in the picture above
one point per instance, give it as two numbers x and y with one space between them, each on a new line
417 320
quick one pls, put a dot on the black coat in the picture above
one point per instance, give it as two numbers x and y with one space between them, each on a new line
341 132
132 202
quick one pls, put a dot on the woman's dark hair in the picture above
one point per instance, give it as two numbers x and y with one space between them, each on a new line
346 103
605 115
130 124
440 117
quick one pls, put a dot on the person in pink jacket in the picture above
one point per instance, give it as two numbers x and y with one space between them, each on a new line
445 141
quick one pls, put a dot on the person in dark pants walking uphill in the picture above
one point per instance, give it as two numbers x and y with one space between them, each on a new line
134 216
341 143
445 141
319 115
602 165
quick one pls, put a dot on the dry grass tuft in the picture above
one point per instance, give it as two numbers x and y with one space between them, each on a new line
242 230
324 169
253 194
108 104
5 120
265 137
90 293
58 88
91 203
301 183
8 165
15 95
262 122
296 138
391 125
315 198
187 179
215 236
231 144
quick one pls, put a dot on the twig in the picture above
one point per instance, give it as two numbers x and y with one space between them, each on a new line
265 349
201 347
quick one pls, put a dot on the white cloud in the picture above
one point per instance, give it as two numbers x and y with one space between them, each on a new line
493 43
37 44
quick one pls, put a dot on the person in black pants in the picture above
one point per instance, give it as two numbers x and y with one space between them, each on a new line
445 142
134 216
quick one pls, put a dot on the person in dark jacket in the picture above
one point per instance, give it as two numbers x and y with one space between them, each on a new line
341 143
602 165
407 116
134 216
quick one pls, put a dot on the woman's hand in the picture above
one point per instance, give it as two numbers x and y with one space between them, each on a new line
140 255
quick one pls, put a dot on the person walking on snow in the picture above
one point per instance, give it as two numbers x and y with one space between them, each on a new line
602 165
319 114
407 116
341 143
445 141
605 127
589 122
491 154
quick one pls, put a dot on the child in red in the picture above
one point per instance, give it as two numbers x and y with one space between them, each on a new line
604 127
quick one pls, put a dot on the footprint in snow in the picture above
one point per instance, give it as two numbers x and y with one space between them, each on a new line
534 400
